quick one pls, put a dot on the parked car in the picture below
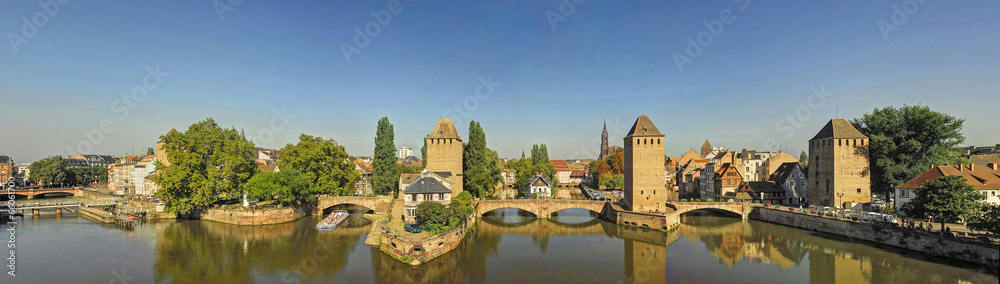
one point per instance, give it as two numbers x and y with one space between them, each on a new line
412 228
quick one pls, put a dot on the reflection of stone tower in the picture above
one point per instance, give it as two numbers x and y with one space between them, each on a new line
644 169
604 142
706 148
838 159
645 263
444 154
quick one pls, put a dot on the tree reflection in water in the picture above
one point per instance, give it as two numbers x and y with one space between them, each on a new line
512 246
209 252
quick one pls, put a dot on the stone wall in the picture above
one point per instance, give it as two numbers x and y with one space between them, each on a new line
839 166
422 250
618 215
645 189
252 217
979 253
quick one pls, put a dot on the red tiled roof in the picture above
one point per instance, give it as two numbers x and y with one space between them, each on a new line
577 174
560 165
983 178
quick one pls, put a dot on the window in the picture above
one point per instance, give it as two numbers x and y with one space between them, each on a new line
859 190
440 196
428 196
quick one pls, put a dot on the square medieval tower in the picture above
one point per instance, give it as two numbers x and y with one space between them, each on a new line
444 154
645 189
838 165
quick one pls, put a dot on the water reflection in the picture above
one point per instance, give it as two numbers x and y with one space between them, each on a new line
197 251
506 246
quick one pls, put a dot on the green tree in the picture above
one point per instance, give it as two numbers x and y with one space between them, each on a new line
480 164
540 161
431 212
947 199
323 162
88 175
423 152
207 163
287 186
51 171
803 157
524 170
385 175
988 219
150 151
906 141
460 206
408 169
616 181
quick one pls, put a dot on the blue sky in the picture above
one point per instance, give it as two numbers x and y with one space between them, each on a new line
552 83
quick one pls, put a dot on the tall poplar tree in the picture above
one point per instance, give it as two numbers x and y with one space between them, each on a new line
385 174
480 164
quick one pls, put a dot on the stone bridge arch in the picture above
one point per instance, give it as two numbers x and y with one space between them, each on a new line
741 209
379 204
541 208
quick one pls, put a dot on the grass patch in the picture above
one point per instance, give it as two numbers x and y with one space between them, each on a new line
81 198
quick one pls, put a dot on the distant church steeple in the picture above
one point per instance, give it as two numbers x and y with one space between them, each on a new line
604 142
522 154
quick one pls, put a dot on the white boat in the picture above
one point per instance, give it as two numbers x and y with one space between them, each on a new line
335 218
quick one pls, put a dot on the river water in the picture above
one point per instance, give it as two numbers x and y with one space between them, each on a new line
506 246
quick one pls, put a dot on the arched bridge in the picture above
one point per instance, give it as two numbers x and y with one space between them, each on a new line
381 204
739 208
542 208
31 193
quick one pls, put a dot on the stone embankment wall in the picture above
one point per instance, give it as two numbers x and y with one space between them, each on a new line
426 249
932 244
618 215
252 217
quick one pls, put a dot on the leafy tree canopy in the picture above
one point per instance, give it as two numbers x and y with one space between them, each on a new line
51 171
288 186
988 219
323 163
947 198
207 163
431 212
906 141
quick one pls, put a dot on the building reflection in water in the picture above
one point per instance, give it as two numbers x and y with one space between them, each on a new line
192 251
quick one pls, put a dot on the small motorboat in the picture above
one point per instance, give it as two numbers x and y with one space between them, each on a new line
335 218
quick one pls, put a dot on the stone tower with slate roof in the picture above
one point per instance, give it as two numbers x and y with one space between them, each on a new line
645 189
838 165
444 154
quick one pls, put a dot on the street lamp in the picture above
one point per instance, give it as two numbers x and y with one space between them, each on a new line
841 196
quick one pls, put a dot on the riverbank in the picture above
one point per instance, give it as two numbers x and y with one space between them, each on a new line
931 244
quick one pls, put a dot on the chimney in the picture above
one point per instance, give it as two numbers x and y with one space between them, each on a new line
972 167
961 168
994 166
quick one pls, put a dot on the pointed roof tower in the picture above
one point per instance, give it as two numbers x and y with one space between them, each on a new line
838 128
445 129
643 127
522 154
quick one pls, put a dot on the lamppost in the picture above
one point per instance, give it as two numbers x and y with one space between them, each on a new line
840 195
